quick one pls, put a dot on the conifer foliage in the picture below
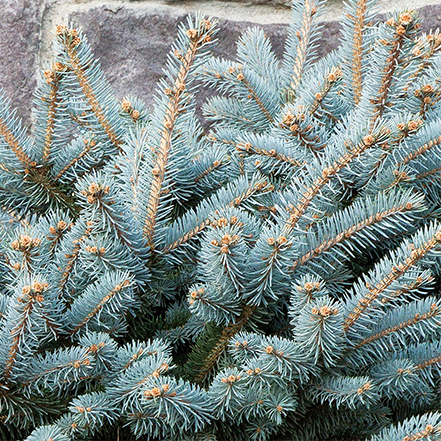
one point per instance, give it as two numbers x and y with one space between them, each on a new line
275 276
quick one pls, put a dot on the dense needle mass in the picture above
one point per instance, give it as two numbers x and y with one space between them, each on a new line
270 274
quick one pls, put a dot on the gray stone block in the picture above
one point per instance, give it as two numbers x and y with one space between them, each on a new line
19 44
430 17
133 43
131 40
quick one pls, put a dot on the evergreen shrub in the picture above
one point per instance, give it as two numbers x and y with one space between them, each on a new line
270 274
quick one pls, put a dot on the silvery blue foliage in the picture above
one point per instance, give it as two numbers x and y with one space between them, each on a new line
270 273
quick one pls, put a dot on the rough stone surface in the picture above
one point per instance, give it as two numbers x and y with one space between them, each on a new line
286 3
132 44
19 44
132 38
430 17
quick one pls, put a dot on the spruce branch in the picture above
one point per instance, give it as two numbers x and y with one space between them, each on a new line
355 21
420 150
430 314
215 165
89 145
47 191
28 322
112 294
71 41
431 174
14 144
306 135
253 95
296 56
17 336
430 362
250 149
229 332
357 48
426 48
60 370
197 39
412 429
352 392
329 172
330 82
52 101
417 252
397 33
234 195
390 208
258 72
73 255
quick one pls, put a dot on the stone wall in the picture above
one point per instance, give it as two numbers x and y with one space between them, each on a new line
132 38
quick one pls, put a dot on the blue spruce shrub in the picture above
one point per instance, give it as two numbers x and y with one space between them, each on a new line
274 276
